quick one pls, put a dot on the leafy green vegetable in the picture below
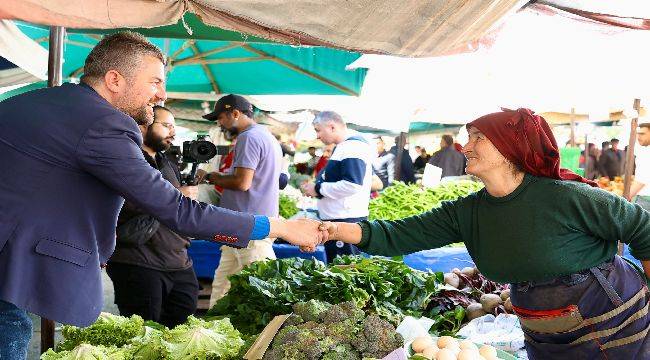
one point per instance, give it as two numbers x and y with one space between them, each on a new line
200 339
87 352
268 288
108 330
400 200
288 206
150 346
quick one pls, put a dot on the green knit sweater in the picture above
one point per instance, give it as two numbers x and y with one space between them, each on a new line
543 229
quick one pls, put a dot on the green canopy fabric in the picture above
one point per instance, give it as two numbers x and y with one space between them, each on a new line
425 127
230 65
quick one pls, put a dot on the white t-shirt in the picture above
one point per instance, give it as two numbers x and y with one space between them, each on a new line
642 174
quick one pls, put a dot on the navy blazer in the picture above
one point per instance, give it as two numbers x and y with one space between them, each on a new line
69 159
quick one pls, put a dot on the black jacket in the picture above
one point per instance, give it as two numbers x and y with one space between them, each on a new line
611 163
450 160
165 250
406 173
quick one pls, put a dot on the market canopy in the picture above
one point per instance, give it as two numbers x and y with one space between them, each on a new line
22 61
206 66
398 27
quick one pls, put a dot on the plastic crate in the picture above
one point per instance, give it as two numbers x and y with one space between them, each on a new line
205 255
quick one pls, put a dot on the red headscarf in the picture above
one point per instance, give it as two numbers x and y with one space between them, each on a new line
527 141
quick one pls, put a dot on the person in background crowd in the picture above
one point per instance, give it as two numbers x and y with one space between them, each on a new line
422 159
448 159
313 160
612 161
251 185
75 154
591 162
343 187
641 185
384 164
550 233
406 172
150 269
322 161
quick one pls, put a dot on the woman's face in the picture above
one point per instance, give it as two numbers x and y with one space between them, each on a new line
483 158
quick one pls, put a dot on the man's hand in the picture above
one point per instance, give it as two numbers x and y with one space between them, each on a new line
328 231
305 233
309 189
201 176
191 192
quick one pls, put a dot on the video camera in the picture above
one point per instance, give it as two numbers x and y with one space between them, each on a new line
199 151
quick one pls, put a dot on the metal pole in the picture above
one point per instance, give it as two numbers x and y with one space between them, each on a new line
629 160
401 142
573 127
54 78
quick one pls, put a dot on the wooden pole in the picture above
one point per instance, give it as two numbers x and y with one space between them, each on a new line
573 127
629 160
54 78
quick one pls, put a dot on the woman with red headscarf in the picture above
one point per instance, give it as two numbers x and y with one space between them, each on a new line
548 232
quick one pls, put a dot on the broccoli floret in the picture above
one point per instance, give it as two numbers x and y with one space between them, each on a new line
310 310
294 319
305 347
344 331
341 352
380 337
341 312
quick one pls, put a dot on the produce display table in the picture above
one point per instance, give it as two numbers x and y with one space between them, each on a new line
445 259
206 255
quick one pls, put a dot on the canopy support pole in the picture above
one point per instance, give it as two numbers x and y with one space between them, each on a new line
302 71
573 127
54 78
629 160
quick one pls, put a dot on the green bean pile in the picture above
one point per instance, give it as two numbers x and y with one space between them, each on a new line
400 200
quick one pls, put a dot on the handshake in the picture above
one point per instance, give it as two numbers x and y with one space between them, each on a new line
305 233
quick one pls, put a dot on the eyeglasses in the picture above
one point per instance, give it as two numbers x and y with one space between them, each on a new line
166 125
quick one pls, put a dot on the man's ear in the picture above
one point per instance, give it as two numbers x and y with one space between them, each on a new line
236 114
113 81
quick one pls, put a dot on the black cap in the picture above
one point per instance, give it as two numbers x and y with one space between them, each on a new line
229 103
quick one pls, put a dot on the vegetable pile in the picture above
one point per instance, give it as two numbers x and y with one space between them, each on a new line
317 330
400 200
381 286
288 206
115 337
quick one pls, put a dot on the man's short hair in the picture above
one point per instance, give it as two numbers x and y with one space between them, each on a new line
645 125
160 107
448 139
311 147
604 144
122 52
324 117
614 141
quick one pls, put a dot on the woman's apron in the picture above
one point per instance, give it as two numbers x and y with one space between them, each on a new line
600 313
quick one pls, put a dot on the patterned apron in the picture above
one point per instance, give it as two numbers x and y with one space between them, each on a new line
599 313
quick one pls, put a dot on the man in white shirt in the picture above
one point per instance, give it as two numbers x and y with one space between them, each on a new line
641 184
343 188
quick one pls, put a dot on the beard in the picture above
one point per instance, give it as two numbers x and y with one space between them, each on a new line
142 114
156 142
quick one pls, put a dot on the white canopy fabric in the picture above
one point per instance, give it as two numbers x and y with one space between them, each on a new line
397 27
29 57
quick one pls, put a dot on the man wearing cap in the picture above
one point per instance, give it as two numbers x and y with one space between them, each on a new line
251 186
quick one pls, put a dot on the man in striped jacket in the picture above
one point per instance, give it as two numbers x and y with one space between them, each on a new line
343 187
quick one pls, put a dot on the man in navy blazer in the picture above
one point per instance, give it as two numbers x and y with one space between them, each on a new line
70 155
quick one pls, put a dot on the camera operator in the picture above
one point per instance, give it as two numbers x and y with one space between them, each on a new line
251 186
151 271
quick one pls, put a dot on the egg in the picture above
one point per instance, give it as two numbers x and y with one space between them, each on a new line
445 354
445 341
421 342
488 352
466 344
468 354
431 352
